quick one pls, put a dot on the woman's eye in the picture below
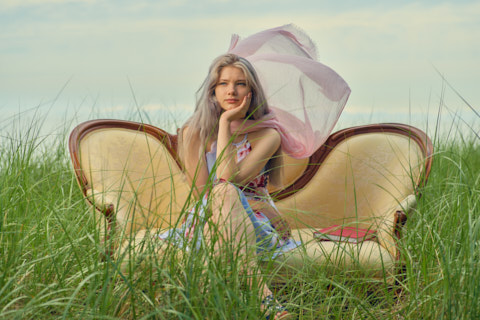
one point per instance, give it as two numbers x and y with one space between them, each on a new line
242 84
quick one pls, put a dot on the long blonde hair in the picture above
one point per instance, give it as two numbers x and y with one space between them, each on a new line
204 120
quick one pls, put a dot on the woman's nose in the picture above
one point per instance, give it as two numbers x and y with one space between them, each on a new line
232 90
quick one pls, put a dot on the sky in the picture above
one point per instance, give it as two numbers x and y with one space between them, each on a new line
110 59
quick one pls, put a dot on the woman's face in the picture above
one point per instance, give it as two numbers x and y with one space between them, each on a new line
231 87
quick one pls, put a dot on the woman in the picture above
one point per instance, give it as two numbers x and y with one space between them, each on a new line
230 146
229 166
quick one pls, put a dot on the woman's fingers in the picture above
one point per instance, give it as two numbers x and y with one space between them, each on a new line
243 107
246 101
240 111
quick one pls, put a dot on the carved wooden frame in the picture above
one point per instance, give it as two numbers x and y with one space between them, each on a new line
315 161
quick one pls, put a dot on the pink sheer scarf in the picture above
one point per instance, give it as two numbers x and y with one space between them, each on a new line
305 97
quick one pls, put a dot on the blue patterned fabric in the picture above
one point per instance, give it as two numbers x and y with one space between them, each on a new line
190 234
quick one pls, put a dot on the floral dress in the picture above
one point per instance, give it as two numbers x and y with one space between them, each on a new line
268 239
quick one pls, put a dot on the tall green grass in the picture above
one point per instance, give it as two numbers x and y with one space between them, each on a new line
52 263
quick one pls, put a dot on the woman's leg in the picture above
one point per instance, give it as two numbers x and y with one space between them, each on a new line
233 228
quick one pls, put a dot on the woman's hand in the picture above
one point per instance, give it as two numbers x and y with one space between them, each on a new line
239 112
278 222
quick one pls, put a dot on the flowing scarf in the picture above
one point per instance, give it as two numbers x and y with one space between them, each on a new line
305 97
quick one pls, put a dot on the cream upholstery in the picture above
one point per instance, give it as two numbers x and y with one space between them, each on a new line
360 179
363 181
368 257
135 173
291 171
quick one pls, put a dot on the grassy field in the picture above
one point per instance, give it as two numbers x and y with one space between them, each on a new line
51 262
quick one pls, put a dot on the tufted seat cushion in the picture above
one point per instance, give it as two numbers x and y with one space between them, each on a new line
368 257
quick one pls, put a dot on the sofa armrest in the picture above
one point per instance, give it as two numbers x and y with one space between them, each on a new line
101 200
140 248
105 213
394 219
407 205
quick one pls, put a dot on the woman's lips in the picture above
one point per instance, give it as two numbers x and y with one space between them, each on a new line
231 100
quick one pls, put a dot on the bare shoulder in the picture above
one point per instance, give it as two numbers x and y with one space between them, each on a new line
191 138
267 135
188 139
185 130
189 134
265 132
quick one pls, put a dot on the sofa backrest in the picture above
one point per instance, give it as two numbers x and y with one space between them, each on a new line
355 176
133 166
358 175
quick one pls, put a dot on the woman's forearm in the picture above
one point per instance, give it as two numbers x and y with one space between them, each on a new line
226 152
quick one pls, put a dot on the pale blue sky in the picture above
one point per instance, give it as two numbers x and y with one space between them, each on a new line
160 50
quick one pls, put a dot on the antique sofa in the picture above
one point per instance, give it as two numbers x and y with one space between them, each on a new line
366 176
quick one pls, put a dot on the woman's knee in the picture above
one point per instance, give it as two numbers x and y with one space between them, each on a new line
225 188
225 198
